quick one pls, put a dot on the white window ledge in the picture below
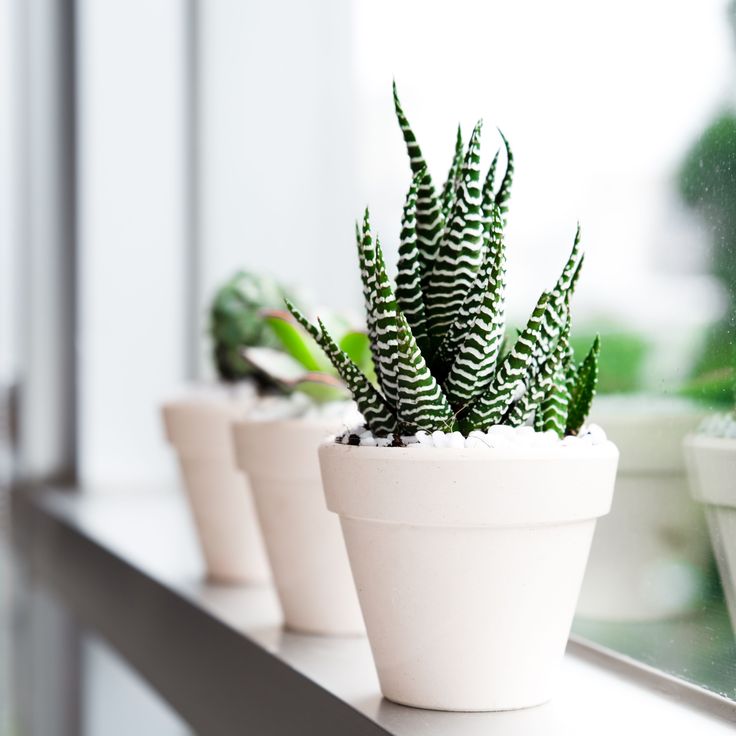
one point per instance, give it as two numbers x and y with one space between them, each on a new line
127 565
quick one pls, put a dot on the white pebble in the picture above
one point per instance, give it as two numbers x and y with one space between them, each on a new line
455 440
439 439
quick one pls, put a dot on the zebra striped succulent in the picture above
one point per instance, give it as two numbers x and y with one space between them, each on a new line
437 338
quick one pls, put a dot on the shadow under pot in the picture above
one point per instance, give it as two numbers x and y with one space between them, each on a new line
712 471
468 564
303 540
219 497
650 559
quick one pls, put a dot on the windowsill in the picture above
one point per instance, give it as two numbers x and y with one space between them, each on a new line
127 566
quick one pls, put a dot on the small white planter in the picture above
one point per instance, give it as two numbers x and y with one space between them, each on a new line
304 541
199 428
712 471
468 563
650 557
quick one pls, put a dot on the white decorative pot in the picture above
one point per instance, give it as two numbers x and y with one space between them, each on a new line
468 563
650 557
712 471
222 507
304 541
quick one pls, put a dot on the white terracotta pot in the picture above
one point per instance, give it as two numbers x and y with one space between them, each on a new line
304 541
218 493
468 564
712 471
650 557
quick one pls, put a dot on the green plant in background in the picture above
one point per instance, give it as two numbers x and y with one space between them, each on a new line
437 339
707 183
297 363
236 322
621 368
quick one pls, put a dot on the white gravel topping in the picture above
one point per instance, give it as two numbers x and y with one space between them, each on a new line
719 425
498 436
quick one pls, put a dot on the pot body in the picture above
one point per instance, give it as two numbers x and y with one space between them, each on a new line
651 555
218 493
468 564
304 542
712 471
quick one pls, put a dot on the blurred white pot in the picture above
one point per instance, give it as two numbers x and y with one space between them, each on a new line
304 541
468 564
712 471
650 556
199 428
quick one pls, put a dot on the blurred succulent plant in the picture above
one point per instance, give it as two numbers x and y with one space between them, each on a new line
437 338
236 322
297 363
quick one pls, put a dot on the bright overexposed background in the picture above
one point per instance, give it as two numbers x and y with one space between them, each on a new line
295 135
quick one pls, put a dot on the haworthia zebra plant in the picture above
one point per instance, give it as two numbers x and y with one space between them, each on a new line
437 338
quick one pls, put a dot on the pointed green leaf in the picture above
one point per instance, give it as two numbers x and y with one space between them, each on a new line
381 307
453 177
494 266
357 346
322 387
421 403
583 390
430 222
553 411
475 363
461 252
504 191
409 276
541 383
378 415
489 194
509 381
298 344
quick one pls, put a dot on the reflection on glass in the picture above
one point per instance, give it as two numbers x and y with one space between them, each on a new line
659 576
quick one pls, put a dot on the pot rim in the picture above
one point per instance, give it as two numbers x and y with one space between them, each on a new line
330 424
461 488
699 439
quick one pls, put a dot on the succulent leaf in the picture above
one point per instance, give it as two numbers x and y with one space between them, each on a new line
491 406
489 194
430 222
421 403
409 276
235 322
461 252
378 415
453 177
541 384
504 191
294 341
494 263
381 310
583 390
475 363
357 346
555 406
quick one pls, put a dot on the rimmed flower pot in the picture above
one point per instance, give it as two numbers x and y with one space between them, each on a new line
304 542
650 557
468 563
199 429
712 472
